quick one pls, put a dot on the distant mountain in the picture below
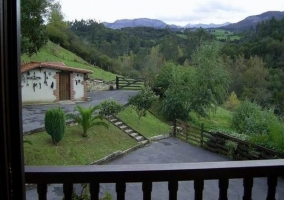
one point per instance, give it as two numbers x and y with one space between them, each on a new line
252 21
141 22
206 25
155 23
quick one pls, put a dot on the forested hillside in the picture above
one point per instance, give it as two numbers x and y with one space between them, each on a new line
255 61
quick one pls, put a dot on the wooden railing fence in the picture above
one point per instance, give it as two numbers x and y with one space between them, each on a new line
128 83
222 143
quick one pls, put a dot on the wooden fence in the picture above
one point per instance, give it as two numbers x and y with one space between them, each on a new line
222 143
128 83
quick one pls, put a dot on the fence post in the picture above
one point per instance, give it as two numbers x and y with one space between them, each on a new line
117 82
201 135
175 127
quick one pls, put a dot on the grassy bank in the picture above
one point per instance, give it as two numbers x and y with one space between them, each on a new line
75 149
54 53
149 125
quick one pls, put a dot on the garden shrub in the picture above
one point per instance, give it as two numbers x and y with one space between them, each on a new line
250 119
55 124
232 147
110 107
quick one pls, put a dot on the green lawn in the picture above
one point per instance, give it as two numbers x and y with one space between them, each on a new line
54 53
222 34
75 149
216 121
149 126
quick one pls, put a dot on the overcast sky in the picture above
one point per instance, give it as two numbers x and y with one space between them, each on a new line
179 12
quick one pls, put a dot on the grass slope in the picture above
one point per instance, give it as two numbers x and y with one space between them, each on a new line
75 149
54 53
149 125
219 120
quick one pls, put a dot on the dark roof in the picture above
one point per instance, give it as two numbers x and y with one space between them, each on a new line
52 65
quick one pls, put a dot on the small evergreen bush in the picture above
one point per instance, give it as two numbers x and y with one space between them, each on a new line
232 103
110 107
55 124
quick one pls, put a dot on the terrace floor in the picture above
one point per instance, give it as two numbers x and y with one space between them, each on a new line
172 150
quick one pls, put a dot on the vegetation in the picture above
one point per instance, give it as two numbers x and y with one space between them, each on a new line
54 53
110 107
149 125
142 102
74 149
190 70
224 35
55 124
32 25
87 118
189 89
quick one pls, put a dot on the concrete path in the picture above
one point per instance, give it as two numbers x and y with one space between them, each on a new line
33 115
172 150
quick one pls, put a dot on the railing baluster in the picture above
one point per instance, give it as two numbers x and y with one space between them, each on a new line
248 184
198 187
223 189
147 189
272 183
120 190
67 190
173 188
42 190
94 190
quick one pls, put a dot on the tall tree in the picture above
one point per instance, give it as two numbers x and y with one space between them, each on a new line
33 35
56 28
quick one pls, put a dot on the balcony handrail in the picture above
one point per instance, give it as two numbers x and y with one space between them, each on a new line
154 172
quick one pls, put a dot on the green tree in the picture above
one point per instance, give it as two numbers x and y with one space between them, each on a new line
56 28
87 118
211 75
55 124
152 66
33 35
177 95
169 48
142 101
194 89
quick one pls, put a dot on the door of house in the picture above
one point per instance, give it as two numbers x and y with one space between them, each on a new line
64 86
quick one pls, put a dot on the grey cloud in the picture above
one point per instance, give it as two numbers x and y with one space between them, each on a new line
217 6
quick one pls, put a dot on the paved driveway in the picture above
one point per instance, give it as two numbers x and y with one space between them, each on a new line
172 150
33 115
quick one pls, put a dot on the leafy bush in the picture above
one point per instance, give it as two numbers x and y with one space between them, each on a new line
55 124
250 119
232 147
110 107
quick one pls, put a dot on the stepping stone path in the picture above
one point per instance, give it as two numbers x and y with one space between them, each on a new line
128 130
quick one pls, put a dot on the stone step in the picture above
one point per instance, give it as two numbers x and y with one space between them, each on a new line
133 134
113 120
139 138
123 127
118 123
128 131
144 142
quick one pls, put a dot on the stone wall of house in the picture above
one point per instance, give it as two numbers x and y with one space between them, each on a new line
95 85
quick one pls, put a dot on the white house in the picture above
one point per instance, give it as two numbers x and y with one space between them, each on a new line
49 82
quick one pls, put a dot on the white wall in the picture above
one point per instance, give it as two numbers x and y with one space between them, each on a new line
79 88
37 94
